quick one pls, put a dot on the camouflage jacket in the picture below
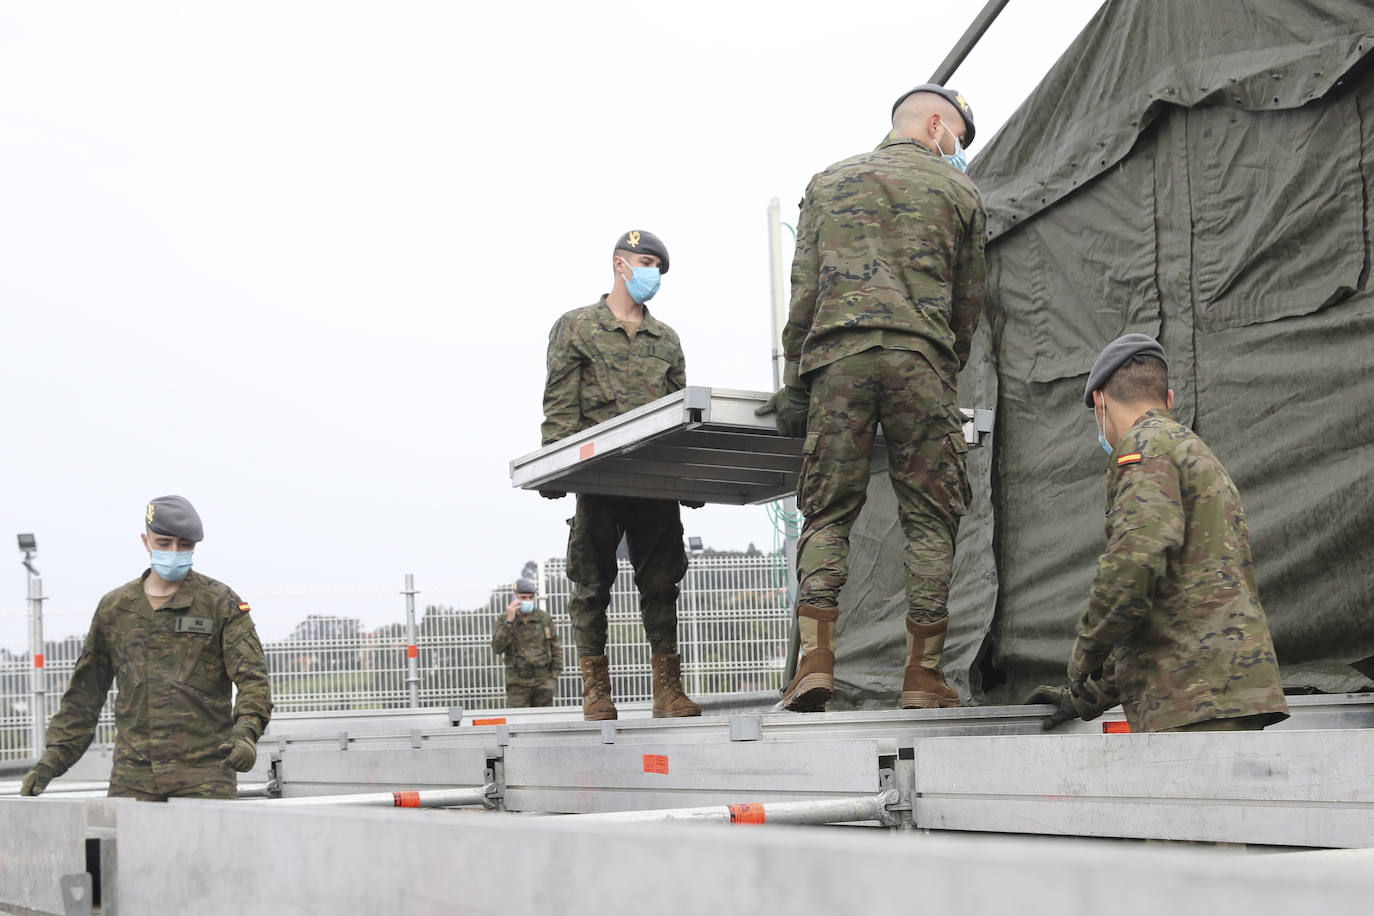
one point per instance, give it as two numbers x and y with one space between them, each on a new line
1174 603
175 667
530 644
889 254
596 371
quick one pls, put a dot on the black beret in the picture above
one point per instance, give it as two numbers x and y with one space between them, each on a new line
1116 353
175 517
949 95
526 586
640 241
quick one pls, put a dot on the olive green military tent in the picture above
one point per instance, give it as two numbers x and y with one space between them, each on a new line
1200 172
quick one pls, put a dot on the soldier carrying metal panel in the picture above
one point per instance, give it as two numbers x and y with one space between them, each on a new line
603 360
178 642
527 638
887 288
1174 629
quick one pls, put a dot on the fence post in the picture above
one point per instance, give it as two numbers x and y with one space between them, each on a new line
37 675
412 644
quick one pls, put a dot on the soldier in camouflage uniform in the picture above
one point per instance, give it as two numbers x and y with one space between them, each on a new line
1174 628
604 359
178 642
887 287
528 639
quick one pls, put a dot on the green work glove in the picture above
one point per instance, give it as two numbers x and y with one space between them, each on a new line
1058 697
242 749
37 779
791 405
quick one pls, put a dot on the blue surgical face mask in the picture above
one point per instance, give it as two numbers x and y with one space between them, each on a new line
527 607
171 565
956 158
1101 436
643 283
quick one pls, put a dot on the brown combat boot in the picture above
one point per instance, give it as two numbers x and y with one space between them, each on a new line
670 702
814 684
923 686
596 689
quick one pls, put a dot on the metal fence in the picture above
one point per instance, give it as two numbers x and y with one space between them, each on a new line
733 621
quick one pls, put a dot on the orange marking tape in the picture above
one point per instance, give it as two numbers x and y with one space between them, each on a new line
747 814
38 659
586 451
412 651
498 720
406 799
656 763
1116 728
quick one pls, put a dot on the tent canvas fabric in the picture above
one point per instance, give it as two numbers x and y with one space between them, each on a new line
1202 173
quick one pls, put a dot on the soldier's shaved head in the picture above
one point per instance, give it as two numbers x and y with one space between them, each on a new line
1140 380
914 118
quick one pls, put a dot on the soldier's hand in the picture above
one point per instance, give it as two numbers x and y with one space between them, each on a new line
36 780
511 609
552 494
242 750
1057 697
791 405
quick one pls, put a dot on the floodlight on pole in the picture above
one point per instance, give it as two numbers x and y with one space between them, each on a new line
28 544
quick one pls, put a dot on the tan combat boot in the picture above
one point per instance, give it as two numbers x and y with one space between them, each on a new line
596 689
923 686
814 684
670 702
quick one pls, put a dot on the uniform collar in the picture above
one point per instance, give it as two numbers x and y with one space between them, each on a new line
650 324
132 597
907 141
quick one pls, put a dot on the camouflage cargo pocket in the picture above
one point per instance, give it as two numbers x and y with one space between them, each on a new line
808 483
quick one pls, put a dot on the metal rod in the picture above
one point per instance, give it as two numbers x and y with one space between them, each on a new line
37 674
819 811
424 798
965 44
412 644
775 287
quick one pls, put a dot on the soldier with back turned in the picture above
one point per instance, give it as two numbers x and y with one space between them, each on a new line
887 287
178 643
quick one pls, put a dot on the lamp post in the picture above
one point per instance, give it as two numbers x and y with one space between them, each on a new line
28 545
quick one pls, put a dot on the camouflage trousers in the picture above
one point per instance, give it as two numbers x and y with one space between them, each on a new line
221 788
521 693
652 529
920 419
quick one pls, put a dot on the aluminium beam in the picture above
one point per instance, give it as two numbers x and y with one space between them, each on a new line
1286 787
215 858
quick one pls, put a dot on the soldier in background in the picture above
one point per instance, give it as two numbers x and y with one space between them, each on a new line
1174 628
178 642
603 360
887 287
526 636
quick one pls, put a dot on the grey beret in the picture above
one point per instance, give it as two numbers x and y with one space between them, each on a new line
174 516
526 586
638 240
1116 353
949 95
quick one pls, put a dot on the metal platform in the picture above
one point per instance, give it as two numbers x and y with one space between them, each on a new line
988 770
699 444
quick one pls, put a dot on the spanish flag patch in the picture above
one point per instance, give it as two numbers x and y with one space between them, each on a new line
243 605
1132 458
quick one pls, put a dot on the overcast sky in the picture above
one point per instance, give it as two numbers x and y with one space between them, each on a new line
298 261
